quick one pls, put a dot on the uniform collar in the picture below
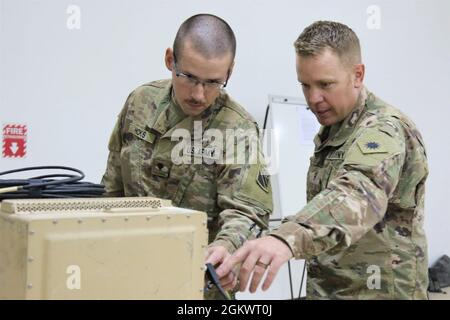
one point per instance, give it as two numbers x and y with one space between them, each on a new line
164 103
338 133
174 113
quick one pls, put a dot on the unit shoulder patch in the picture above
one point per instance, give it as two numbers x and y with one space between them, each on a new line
263 181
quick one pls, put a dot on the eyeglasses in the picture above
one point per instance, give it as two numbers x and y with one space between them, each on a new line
193 81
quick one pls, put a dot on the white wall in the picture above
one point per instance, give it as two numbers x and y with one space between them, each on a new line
69 85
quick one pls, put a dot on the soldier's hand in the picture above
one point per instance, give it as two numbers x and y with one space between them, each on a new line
216 255
257 256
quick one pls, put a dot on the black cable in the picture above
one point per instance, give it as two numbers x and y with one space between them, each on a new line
70 178
290 280
68 186
214 279
265 117
301 283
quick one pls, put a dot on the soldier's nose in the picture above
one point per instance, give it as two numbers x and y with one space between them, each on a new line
315 96
198 92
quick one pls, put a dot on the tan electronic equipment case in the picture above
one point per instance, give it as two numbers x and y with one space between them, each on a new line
101 248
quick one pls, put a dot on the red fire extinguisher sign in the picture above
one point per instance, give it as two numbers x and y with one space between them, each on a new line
14 140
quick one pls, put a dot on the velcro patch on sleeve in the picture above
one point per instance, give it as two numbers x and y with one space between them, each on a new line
256 188
115 143
372 145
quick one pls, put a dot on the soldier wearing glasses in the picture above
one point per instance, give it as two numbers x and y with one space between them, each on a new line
236 196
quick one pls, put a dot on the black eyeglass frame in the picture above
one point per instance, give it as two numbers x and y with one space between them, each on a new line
196 80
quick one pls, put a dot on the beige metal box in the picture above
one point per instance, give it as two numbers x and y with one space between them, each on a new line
102 248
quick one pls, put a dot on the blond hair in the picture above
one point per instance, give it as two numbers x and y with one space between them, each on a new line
331 35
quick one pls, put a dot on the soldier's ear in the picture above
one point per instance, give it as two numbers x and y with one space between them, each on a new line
358 72
169 59
230 71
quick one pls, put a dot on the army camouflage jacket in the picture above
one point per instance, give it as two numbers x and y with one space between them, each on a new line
362 228
237 197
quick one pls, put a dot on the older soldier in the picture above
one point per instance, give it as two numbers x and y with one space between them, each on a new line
361 231
142 161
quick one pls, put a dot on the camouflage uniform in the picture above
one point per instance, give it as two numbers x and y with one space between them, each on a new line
364 216
236 197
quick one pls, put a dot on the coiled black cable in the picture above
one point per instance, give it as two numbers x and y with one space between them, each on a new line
45 186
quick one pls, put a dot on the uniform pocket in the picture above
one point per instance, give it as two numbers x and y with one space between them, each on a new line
135 156
201 191
155 177
177 182
332 166
314 177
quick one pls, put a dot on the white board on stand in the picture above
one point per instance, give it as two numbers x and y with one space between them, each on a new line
293 128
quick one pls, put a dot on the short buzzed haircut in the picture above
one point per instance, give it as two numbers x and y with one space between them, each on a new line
209 35
336 36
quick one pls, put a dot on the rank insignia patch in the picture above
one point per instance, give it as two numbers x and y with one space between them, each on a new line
372 145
